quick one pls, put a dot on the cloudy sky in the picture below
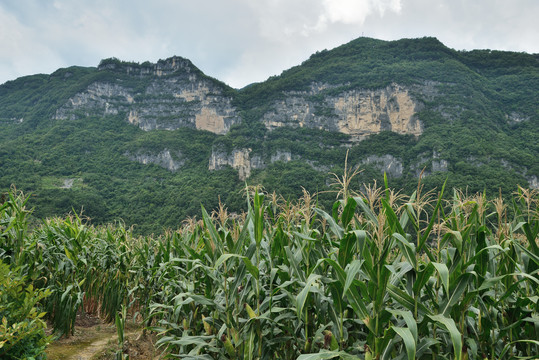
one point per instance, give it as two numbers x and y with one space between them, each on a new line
243 41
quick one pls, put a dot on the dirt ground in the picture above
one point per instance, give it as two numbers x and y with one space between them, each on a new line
95 340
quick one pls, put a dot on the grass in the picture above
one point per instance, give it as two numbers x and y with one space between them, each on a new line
53 182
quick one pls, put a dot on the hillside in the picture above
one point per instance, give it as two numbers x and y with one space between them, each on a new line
147 143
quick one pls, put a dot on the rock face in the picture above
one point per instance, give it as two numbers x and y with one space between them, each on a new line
172 94
168 95
241 160
284 156
238 159
436 163
386 163
533 182
354 112
532 179
163 159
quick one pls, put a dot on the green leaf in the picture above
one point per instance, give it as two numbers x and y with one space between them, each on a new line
348 212
214 235
249 348
360 201
327 355
532 256
407 248
248 264
481 253
192 340
423 277
66 292
457 239
69 254
458 290
406 300
353 295
510 345
424 345
351 271
250 267
294 262
488 283
427 231
334 227
224 258
449 325
443 271
258 210
409 319
392 218
346 249
408 339
302 296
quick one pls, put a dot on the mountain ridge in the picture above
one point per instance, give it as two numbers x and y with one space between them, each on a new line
397 106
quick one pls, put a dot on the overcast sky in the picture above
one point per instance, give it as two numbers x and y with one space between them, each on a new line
243 41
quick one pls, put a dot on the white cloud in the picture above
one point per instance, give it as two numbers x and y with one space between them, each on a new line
23 52
356 11
243 41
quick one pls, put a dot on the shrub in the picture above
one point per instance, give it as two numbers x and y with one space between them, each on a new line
22 331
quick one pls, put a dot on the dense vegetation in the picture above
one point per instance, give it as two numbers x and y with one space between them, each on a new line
483 123
381 276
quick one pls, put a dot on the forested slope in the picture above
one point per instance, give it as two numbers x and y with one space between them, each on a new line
147 143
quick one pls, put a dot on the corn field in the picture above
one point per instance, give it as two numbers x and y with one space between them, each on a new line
379 276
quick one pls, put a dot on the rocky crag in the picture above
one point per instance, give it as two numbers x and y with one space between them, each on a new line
165 96
356 112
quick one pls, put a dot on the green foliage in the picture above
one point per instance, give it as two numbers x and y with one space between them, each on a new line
376 274
22 330
477 108
388 283
382 276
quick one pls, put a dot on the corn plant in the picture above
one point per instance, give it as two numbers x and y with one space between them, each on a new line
375 278
380 275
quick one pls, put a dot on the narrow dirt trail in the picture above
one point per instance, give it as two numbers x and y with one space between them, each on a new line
92 342
92 349
97 346
95 339
83 345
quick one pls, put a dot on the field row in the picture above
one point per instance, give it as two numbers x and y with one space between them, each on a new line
379 276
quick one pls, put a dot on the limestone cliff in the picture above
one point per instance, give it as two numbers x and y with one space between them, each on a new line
355 112
168 95
172 94
163 159
244 162
238 159
429 163
533 182
388 164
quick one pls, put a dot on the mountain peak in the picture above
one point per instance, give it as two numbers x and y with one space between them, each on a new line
162 67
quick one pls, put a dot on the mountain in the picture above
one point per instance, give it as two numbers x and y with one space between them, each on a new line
148 143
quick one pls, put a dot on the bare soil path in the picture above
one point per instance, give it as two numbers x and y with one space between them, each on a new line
94 340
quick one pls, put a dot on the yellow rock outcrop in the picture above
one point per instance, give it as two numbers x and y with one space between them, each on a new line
371 112
353 112
208 119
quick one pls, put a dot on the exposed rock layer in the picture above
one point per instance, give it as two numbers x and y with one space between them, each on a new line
163 159
238 159
355 112
173 96
387 164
